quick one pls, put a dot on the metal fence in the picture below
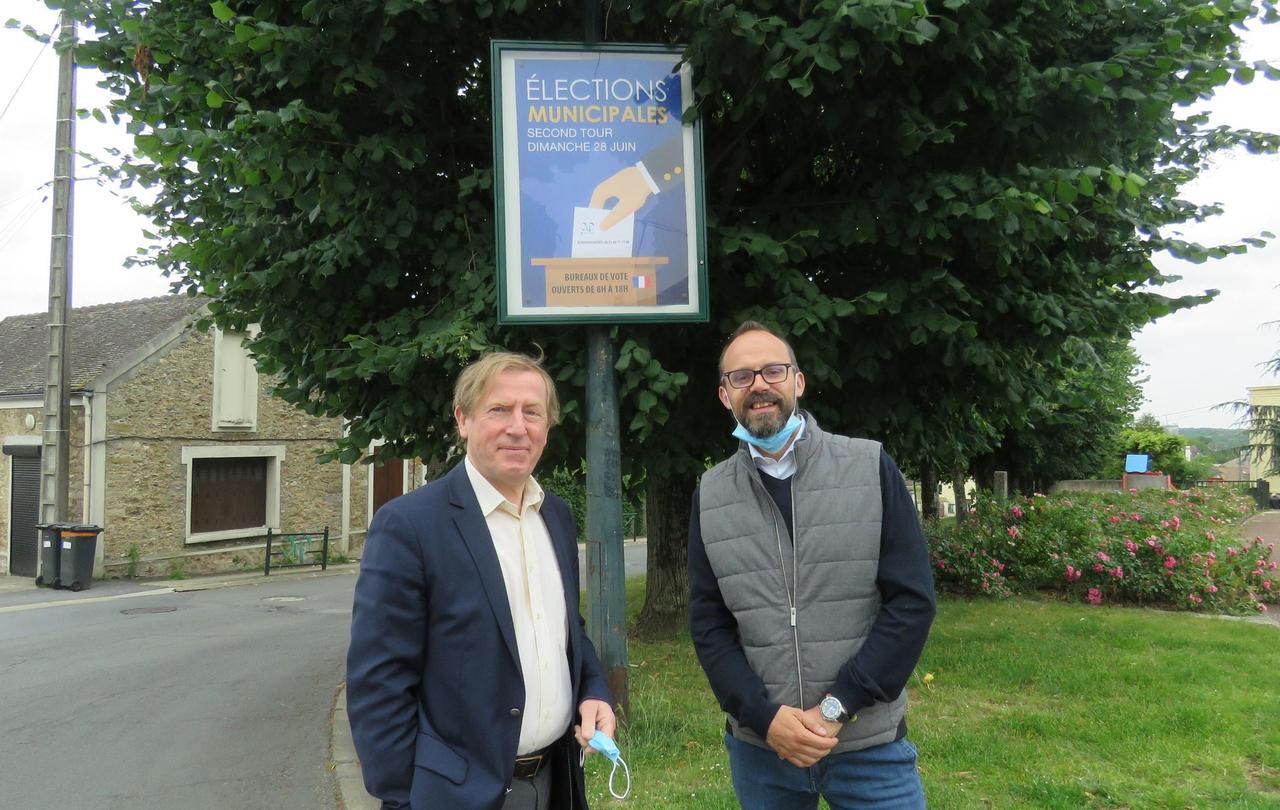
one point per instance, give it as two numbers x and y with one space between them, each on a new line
291 550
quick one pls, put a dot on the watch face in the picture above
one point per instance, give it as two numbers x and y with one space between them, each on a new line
831 709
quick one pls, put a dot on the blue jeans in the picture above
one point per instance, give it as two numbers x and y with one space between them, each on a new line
883 777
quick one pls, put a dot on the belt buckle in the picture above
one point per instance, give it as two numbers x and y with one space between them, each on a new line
528 766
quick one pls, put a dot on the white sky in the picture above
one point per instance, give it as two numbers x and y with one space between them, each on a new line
1194 359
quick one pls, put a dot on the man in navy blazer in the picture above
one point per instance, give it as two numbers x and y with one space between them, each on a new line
470 680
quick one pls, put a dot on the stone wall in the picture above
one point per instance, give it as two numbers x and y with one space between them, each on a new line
166 405
1087 485
13 424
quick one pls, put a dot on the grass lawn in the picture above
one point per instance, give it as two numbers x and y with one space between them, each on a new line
1031 704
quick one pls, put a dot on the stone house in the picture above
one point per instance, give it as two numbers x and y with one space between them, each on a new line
178 450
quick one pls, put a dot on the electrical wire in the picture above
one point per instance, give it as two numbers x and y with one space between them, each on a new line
27 75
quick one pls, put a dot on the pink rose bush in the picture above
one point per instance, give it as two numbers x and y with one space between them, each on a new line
1181 550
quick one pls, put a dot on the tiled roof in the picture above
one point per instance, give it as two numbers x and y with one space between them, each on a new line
99 337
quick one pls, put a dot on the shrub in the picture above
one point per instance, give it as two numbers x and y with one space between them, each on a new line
1173 549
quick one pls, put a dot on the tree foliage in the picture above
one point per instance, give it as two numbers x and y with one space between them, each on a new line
1076 431
938 201
1167 451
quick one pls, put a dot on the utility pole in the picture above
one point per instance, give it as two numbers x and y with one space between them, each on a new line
606 572
55 457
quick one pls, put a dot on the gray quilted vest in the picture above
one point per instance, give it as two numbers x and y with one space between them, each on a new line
830 569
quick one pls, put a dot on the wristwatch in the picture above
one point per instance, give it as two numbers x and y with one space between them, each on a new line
833 711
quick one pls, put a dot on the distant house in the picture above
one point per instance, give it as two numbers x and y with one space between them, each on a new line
1237 469
178 450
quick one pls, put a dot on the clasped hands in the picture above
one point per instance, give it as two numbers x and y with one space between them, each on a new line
802 737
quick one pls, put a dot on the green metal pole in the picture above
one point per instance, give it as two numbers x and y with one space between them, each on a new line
606 580
606 593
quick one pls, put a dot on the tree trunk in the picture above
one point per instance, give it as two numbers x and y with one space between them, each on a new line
666 594
957 485
928 492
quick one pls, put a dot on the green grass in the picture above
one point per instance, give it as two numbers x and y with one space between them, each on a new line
1032 704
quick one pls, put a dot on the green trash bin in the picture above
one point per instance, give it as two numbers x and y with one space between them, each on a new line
49 557
79 545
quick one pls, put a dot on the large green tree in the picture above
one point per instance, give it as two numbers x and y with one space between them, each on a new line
934 199
1077 430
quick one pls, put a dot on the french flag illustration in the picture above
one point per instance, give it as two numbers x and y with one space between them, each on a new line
639 282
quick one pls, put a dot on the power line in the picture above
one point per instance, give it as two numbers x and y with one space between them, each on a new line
27 75
15 225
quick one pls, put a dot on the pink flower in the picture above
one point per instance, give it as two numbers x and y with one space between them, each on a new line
1117 572
1073 573
1210 536
1099 568
1103 557
1171 562
1195 600
1014 532
1016 511
1231 551
1131 546
1212 589
942 564
1135 516
1266 585
1151 541
1262 608
1177 522
1094 596
1271 566
1113 519
1172 501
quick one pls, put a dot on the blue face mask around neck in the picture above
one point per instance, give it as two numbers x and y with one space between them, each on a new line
774 443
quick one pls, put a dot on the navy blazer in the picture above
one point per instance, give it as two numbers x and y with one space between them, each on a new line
434 688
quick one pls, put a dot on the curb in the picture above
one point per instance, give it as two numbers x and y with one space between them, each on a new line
343 760
61 598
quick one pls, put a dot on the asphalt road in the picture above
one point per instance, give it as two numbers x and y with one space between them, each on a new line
129 696
206 699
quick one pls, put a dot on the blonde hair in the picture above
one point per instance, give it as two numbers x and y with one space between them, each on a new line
475 379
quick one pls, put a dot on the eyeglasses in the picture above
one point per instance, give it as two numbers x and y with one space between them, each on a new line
746 377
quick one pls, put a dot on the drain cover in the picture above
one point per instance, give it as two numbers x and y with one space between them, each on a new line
140 611
283 598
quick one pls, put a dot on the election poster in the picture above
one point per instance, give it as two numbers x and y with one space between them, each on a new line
598 185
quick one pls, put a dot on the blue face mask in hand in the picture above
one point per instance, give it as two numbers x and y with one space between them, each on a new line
602 743
773 443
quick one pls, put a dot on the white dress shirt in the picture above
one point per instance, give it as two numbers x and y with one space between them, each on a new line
536 595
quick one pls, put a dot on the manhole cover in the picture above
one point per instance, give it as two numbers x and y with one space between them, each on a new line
283 598
140 611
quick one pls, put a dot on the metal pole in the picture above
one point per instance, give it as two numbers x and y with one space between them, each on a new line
606 587
55 457
606 581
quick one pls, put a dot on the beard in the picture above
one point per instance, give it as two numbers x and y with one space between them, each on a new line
763 425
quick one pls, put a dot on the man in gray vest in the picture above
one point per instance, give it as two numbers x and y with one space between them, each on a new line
810 597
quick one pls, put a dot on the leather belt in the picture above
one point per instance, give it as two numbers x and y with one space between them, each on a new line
529 765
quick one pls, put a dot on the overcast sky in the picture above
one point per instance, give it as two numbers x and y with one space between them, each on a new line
1194 359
